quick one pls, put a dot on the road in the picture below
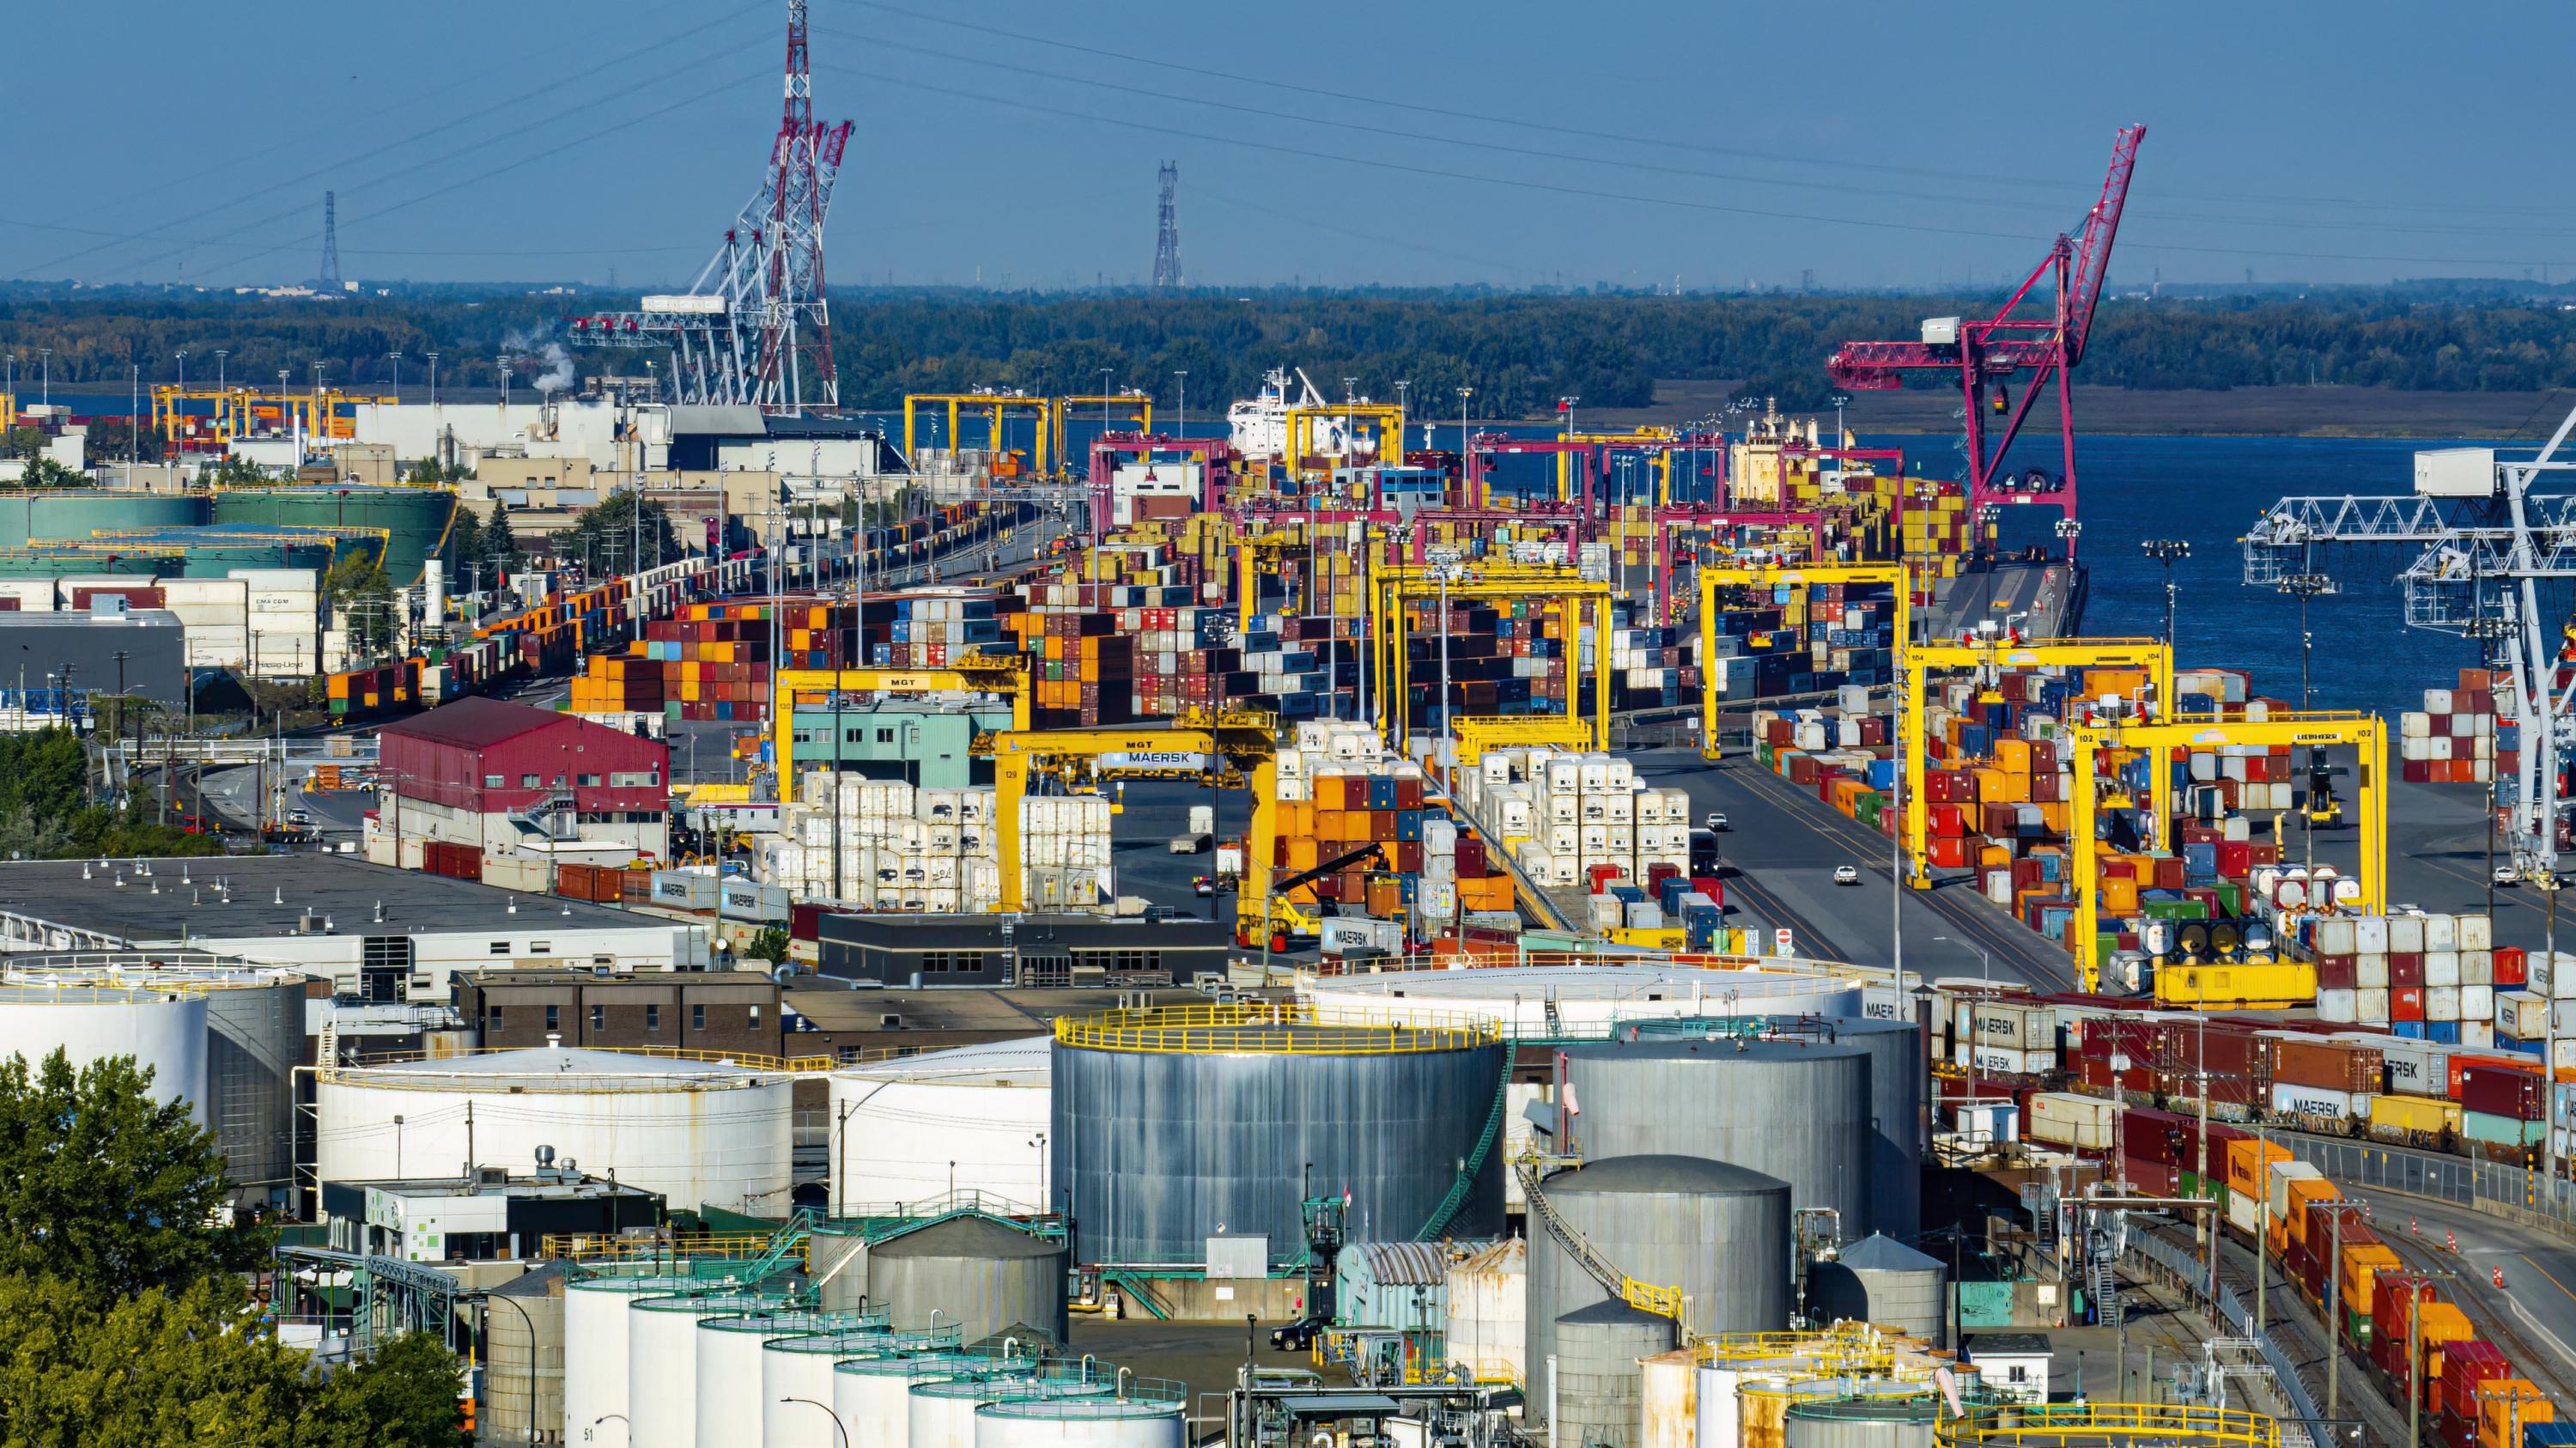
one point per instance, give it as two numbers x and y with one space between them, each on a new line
1778 865
2533 1317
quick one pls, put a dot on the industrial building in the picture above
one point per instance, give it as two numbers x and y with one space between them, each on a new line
95 649
925 743
922 951
504 778
491 1215
369 931
733 1013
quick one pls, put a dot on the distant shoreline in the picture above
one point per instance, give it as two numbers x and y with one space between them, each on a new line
2318 412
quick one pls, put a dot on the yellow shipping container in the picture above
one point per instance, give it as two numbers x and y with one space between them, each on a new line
2414 1115
2508 1405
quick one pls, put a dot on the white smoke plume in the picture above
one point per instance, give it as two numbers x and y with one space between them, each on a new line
559 374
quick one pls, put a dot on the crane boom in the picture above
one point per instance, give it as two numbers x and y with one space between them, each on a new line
2101 228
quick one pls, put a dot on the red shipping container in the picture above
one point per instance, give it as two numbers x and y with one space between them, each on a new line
2406 1003
2507 1091
2511 965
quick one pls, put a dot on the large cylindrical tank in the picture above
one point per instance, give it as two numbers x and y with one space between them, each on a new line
661 1363
1896 1122
1112 1422
873 1396
943 1413
1729 1100
523 1379
836 1262
1534 1001
703 1134
897 1126
1719 1233
983 1276
73 514
1171 1127
1488 1311
729 1358
1598 1389
801 1367
1862 1422
1668 1384
595 1343
162 1027
415 518
1882 1281
1763 1407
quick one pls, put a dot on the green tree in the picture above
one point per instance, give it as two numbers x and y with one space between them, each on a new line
44 472
603 537
231 472
104 1188
404 1396
21 442
364 597
769 945
501 540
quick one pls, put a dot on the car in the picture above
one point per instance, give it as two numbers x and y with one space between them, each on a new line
1846 874
1298 1336
2507 875
1717 820
1202 886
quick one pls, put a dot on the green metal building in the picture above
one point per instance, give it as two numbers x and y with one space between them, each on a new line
929 745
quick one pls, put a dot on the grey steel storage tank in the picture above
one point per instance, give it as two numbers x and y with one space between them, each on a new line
1861 1422
523 1376
1598 1392
1734 1100
1882 1281
985 1276
1718 1233
1896 1087
1175 1125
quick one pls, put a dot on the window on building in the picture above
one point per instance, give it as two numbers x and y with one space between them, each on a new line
495 1015
528 781
554 1018
634 778
540 947
755 1018
885 736
599 1018
500 947
590 781
652 1020
2017 1373
492 781
697 1018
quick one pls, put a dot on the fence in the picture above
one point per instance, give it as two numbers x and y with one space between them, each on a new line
2524 1195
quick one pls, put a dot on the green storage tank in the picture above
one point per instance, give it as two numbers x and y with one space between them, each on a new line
415 518
69 563
75 513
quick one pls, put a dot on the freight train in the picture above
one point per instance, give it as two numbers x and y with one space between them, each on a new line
550 638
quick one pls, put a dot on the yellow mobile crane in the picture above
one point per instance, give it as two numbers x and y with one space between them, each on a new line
2262 985
1242 742
969 672
1391 588
1913 750
1803 575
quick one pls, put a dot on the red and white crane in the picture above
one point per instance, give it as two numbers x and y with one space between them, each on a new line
1985 353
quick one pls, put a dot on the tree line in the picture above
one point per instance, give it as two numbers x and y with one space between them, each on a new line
1520 352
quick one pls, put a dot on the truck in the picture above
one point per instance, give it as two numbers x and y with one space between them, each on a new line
1345 936
1191 842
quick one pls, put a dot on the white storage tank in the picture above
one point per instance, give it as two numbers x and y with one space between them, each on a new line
943 1413
729 1356
873 1396
897 1125
1489 1311
661 1363
162 1027
802 1367
1546 1000
1136 1418
595 1340
703 1134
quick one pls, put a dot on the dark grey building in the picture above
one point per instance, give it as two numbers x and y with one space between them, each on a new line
77 651
991 951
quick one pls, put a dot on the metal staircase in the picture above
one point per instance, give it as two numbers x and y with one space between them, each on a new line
1644 1296
2101 1285
1459 1190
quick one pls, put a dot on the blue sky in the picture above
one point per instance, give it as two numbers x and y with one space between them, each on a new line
1014 142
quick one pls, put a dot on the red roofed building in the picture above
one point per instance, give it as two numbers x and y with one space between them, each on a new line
510 779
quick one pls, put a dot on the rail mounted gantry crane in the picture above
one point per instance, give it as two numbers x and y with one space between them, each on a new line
1206 453
1985 353
1127 410
2494 555
2085 741
1671 518
970 672
996 407
1796 575
1244 742
1302 466
2152 655
1391 588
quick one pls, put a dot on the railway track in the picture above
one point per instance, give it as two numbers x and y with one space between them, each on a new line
2463 1284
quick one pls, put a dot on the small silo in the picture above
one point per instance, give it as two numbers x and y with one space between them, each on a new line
873 1396
1488 1311
1137 1417
983 1275
1728 1100
943 1413
972 1119
1862 1422
700 1133
523 1376
1596 1389
1175 1125
1719 1233
1669 1384
1882 1281
729 1358
595 1347
661 1363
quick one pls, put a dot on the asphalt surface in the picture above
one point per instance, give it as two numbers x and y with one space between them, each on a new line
2532 1317
1996 592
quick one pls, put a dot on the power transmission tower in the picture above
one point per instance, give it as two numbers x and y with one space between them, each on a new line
331 241
1167 231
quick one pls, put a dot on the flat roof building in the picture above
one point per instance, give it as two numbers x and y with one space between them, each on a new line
493 1217
729 1013
923 951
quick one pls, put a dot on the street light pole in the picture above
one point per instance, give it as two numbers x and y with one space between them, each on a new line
841 1432
2166 551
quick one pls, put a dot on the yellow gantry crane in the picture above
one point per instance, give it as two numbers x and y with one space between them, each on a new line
1390 588
1388 418
997 407
1133 406
1478 736
1244 741
1801 575
1913 750
2364 732
971 672
1253 556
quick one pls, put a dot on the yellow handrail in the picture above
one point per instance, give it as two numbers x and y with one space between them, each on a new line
1269 1028
2146 1422
601 1247
748 1060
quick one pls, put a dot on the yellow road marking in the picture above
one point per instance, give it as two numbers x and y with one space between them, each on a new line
2543 1271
